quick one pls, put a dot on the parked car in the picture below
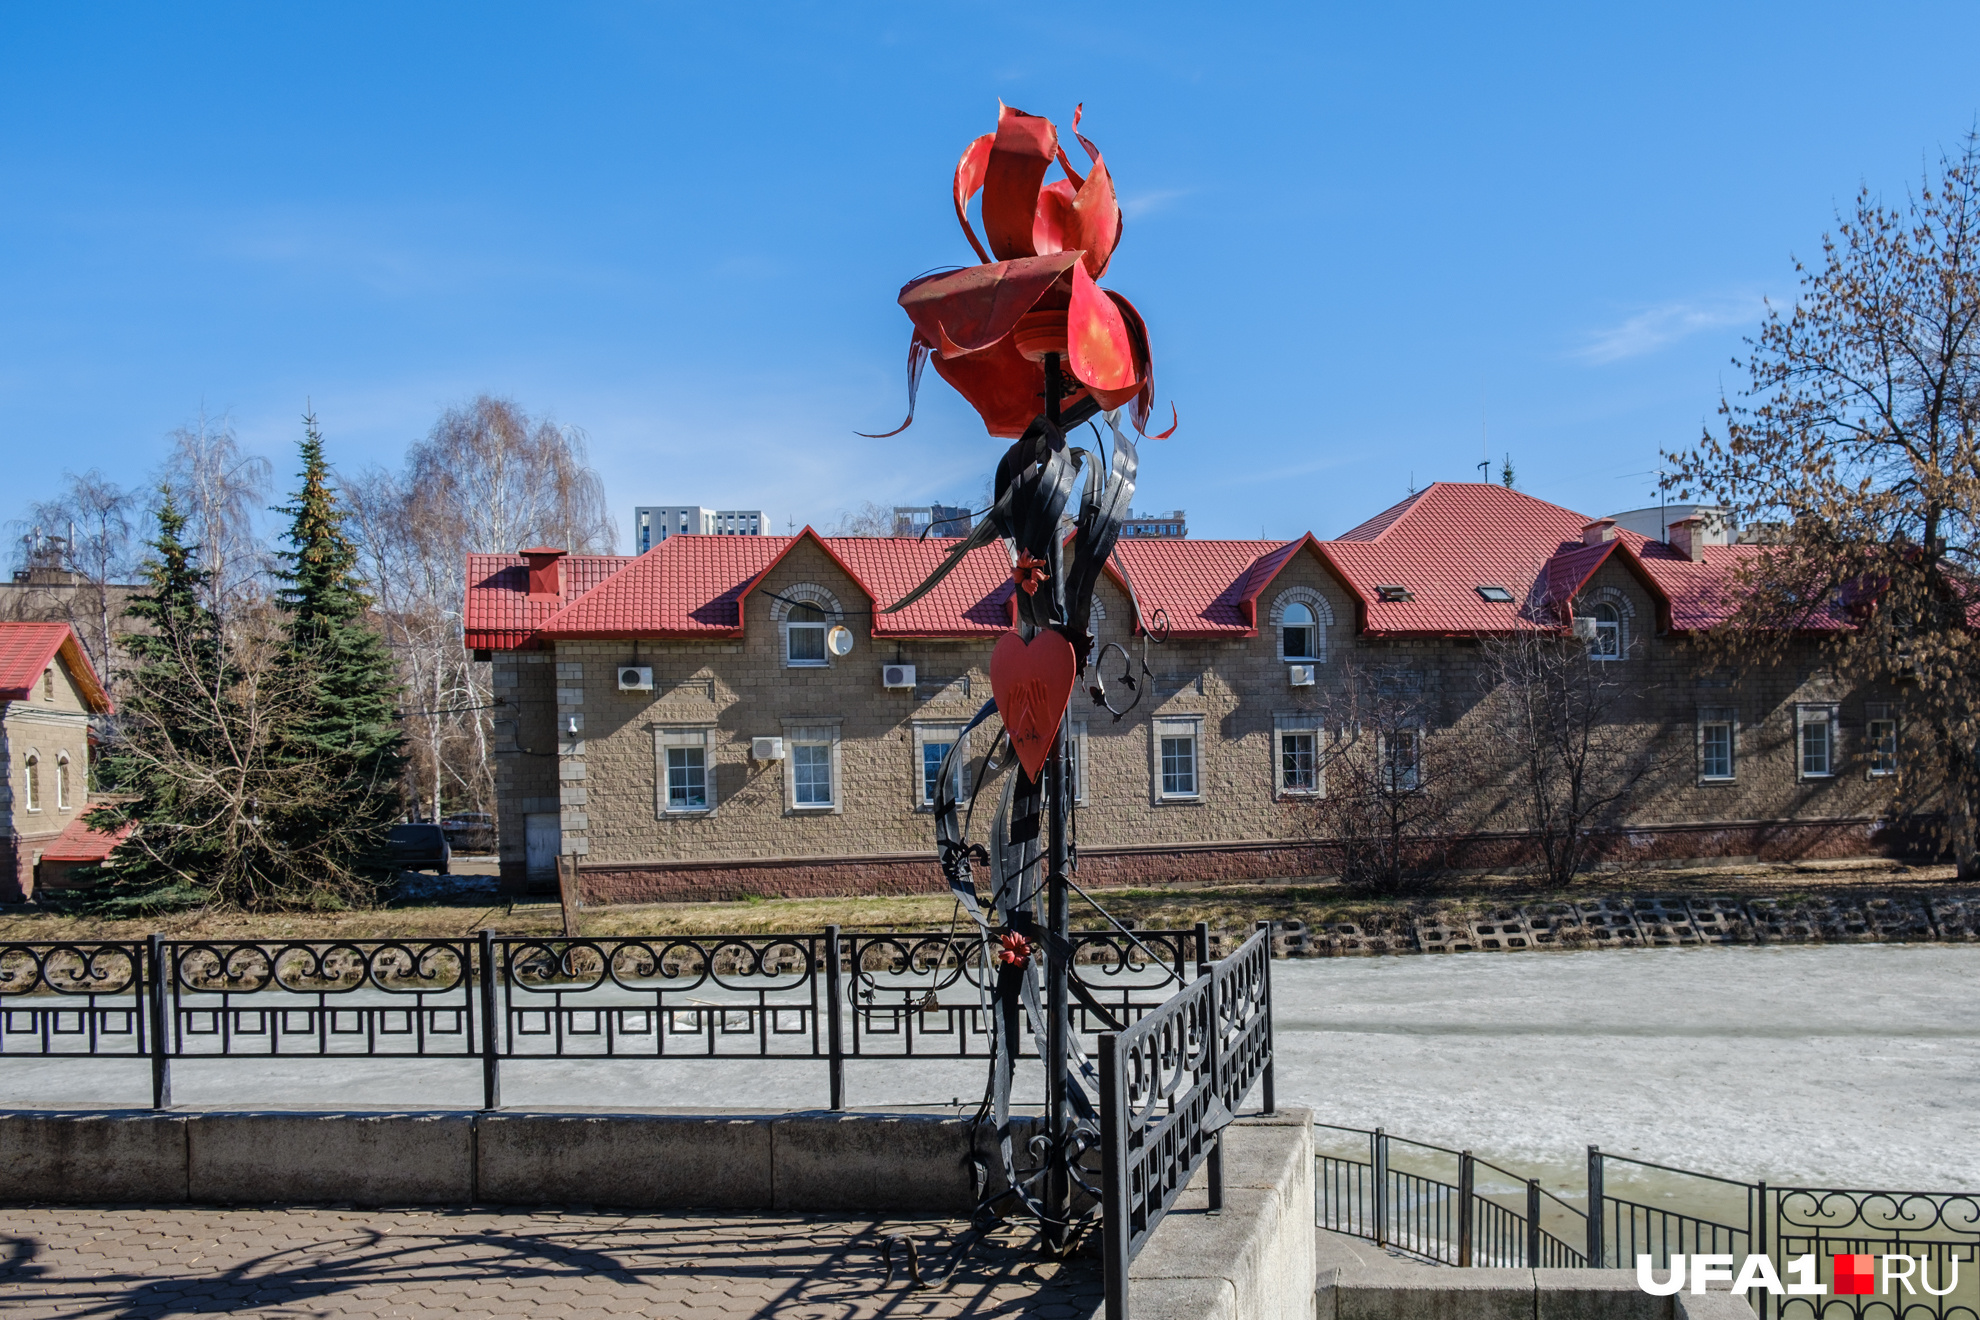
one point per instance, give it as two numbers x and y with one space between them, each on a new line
470 831
421 848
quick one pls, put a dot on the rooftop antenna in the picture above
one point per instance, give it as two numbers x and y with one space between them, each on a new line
1484 446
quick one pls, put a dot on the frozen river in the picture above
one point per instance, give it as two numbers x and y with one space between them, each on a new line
1840 1065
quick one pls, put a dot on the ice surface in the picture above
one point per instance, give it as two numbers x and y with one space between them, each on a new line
1840 1065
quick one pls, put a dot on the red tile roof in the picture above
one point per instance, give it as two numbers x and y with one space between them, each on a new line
79 843
501 615
1205 588
26 650
1440 546
1443 543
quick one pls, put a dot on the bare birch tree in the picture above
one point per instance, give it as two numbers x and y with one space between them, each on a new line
488 478
92 520
222 491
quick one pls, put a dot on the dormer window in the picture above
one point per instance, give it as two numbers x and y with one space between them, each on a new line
48 683
805 627
1297 633
1606 644
1495 595
1393 594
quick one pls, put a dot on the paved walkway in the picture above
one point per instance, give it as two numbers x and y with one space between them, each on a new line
181 1262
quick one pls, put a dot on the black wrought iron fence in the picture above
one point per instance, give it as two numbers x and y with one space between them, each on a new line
498 998
1455 1209
1455 1221
1169 1085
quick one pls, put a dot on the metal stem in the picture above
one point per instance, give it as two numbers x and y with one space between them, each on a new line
1058 1034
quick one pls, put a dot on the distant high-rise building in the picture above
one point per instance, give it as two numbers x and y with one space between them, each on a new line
653 523
1155 524
934 519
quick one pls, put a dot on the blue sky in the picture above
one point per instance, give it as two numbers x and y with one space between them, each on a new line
1363 236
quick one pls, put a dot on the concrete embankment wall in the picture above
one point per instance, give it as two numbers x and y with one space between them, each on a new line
804 1161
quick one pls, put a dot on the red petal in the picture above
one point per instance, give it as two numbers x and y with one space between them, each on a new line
1024 146
1096 227
965 311
1142 392
1098 347
969 178
1053 228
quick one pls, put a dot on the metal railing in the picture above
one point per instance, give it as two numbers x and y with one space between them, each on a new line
1169 1085
822 997
1450 1222
1455 1215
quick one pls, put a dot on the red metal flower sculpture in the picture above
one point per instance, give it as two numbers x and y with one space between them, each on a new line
990 328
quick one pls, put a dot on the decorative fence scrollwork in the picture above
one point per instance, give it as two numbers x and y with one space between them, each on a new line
892 995
1169 1085
73 1000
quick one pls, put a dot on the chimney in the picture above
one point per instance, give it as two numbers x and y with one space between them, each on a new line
1687 537
546 572
1602 529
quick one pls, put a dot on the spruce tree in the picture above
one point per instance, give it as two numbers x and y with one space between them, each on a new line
343 725
171 718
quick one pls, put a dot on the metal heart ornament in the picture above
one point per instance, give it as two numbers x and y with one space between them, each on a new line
1033 683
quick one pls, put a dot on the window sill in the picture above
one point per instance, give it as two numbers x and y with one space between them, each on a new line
811 809
1705 781
675 813
807 664
1807 776
1179 800
1883 774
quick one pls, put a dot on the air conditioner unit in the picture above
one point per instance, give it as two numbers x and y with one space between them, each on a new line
766 749
1584 627
897 676
1302 675
635 678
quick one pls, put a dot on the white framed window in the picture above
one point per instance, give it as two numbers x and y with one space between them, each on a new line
812 770
61 781
804 613
31 781
1607 643
1815 741
1718 745
804 637
1880 735
1296 749
932 743
1177 743
1401 764
686 771
48 683
1299 620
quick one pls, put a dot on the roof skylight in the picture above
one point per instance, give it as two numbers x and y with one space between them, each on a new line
1496 595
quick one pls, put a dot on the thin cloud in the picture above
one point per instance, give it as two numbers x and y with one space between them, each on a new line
1148 203
1666 324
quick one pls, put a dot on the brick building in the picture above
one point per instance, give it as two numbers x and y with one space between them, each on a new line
48 691
635 691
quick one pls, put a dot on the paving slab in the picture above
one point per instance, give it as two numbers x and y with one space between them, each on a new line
190 1262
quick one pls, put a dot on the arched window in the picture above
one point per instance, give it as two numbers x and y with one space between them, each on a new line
33 781
1297 629
48 683
1607 642
806 631
61 781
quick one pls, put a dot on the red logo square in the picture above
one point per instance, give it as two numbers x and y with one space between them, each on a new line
1855 1275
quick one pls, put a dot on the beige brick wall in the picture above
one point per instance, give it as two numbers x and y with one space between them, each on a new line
606 780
